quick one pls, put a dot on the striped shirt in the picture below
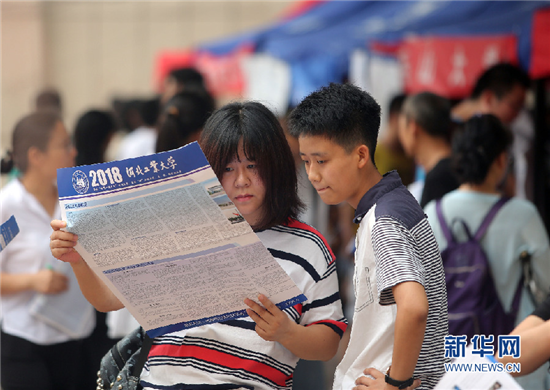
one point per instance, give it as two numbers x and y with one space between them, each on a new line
395 244
231 355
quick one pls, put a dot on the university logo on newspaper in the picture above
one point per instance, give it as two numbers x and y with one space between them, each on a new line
80 182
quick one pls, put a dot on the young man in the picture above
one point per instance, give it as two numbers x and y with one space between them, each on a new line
500 91
400 315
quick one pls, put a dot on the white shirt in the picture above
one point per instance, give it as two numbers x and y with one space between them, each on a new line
140 142
394 245
29 252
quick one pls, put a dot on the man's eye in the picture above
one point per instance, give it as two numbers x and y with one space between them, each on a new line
228 169
251 166
320 161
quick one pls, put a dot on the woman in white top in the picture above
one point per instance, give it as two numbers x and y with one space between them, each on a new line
34 354
480 160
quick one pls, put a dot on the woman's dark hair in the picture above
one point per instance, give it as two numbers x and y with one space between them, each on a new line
33 130
476 146
264 142
91 136
184 114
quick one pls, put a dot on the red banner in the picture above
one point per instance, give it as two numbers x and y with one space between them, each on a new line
223 74
451 66
540 51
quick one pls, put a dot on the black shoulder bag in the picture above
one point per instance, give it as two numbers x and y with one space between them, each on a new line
121 366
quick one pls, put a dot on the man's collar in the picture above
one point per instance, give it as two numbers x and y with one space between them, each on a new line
389 182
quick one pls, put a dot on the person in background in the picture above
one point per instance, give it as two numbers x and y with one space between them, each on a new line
480 159
534 332
92 134
425 131
501 90
46 100
34 354
186 79
49 100
142 118
248 151
182 120
389 153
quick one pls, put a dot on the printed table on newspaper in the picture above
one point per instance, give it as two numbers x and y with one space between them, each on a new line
162 234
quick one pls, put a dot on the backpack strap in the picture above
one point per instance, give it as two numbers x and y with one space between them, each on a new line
517 297
489 217
444 228
143 354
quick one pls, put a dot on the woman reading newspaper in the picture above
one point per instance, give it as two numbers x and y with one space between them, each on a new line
248 151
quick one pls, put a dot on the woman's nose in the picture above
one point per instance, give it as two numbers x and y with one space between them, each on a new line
242 179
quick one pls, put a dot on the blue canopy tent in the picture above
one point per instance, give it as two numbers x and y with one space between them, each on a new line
318 43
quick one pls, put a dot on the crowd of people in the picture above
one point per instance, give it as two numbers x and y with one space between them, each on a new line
382 197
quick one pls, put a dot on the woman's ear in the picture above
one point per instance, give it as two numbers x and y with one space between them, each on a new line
502 160
34 156
499 166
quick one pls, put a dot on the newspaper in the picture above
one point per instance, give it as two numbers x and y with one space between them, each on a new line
162 234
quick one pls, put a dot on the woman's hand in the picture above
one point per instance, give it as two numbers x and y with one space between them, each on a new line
62 243
272 324
47 281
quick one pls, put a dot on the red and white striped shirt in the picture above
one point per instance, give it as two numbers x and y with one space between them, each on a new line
231 355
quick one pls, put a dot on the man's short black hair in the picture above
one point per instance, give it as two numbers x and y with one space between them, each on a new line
396 103
188 77
431 112
343 113
500 79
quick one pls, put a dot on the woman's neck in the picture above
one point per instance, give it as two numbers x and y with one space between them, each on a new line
42 189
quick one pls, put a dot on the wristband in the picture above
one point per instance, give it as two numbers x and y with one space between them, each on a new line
399 384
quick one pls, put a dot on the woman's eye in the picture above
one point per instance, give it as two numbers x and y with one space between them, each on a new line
320 161
228 169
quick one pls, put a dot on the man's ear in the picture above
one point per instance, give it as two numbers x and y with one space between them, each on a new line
414 129
363 154
487 100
